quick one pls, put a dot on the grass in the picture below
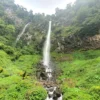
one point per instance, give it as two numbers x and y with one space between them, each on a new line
28 63
80 77
80 72
14 83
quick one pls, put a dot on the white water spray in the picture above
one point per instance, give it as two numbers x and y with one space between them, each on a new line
20 35
46 51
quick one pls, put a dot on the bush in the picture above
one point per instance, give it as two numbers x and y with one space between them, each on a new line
95 92
14 88
37 93
75 94
9 50
28 63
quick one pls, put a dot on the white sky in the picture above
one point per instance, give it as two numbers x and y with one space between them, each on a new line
43 6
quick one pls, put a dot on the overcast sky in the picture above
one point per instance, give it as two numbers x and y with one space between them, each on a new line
43 6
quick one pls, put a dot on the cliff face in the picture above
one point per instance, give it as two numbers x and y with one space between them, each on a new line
70 43
12 16
92 42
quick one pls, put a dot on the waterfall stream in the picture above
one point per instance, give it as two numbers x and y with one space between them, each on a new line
48 69
46 51
20 35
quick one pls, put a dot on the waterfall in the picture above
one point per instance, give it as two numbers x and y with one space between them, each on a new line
46 50
48 69
20 35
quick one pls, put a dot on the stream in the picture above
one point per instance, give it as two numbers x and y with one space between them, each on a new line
53 94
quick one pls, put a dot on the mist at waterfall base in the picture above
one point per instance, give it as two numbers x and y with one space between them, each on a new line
46 63
23 31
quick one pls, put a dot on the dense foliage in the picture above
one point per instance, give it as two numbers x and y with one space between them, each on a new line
80 77
17 78
71 28
80 20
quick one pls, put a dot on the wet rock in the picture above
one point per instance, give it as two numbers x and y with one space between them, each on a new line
40 73
47 76
57 94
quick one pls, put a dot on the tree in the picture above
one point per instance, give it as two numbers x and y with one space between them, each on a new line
2 27
10 29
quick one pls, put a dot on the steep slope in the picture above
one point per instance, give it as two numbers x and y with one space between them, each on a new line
75 28
18 78
80 77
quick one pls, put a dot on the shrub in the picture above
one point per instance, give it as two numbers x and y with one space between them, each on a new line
76 94
95 92
1 69
37 93
9 50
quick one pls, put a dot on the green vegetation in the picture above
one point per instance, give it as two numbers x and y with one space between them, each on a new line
82 18
72 30
80 75
18 80
76 22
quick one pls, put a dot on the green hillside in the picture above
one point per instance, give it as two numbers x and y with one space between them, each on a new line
75 50
80 77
